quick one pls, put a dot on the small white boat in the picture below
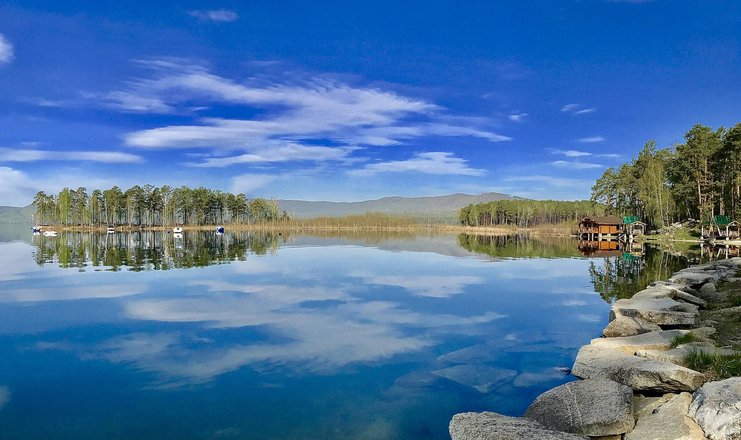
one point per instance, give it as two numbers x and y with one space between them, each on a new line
50 233
219 230
111 230
177 235
35 229
177 230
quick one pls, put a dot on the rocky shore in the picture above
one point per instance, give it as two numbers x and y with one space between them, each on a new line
635 383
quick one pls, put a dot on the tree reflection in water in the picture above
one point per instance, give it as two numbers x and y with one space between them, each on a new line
151 250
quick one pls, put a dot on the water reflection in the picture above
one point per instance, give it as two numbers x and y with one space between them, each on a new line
151 250
410 329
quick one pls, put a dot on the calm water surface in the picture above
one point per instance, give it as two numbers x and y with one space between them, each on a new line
245 336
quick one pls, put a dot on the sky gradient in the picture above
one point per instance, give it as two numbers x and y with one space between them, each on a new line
345 101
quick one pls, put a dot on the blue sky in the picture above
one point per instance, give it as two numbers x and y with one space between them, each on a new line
338 100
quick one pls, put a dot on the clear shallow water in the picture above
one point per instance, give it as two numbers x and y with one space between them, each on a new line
275 337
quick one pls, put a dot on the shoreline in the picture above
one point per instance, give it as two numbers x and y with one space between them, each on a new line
299 226
633 382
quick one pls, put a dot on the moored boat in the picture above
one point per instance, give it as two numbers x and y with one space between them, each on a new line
50 233
177 230
111 230
219 229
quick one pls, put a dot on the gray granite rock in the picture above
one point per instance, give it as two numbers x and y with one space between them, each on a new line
593 407
716 407
638 373
668 421
678 354
493 426
672 291
645 405
625 326
662 311
657 340
695 276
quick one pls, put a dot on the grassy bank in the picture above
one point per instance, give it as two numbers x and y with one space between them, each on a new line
367 222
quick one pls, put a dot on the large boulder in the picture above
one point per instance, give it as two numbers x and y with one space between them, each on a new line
659 340
625 326
493 426
638 373
678 354
695 276
593 407
716 407
668 421
662 311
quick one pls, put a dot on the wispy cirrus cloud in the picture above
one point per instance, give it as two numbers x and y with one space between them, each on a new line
25 155
575 165
592 139
315 118
433 162
6 50
215 15
517 117
577 109
569 153
567 182
578 153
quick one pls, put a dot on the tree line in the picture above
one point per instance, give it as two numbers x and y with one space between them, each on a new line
525 213
696 179
149 205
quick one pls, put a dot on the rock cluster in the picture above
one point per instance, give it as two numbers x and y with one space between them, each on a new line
636 356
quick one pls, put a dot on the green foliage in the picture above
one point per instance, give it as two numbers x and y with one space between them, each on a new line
697 179
152 206
527 213
719 366
683 339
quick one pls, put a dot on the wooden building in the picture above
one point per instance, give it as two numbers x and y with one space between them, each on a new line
722 228
600 228
633 226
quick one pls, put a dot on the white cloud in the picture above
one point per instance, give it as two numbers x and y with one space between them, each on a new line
569 153
552 181
569 107
316 118
609 155
517 117
283 153
6 50
575 165
16 189
215 15
23 155
433 162
247 183
592 139
577 109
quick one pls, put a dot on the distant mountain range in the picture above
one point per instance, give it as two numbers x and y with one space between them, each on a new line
437 208
12 215
441 208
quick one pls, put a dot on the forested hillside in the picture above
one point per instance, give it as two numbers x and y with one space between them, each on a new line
527 213
692 180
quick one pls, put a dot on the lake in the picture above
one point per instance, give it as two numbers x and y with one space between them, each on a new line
277 336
